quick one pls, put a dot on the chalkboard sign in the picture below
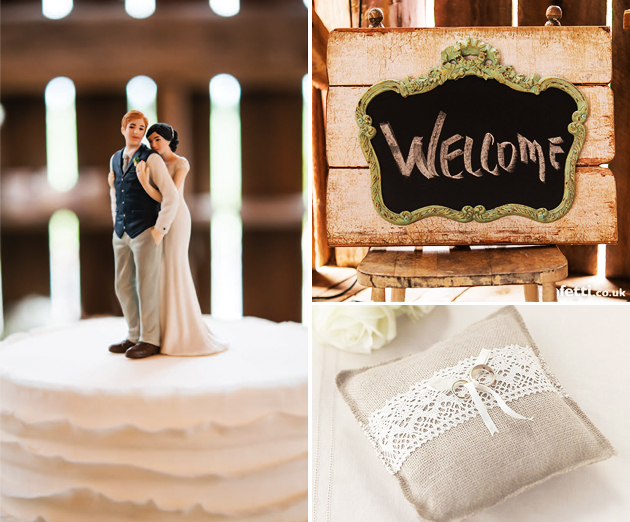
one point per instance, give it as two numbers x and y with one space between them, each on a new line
472 141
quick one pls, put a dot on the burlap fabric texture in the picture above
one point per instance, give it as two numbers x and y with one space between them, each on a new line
465 470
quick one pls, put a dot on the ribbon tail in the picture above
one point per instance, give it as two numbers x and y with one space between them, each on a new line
441 383
483 356
502 404
481 408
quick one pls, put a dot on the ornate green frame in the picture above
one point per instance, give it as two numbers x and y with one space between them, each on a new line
465 58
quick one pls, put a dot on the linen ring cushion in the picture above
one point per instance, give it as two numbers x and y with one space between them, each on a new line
451 422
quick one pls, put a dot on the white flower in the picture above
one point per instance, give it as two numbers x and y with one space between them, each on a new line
353 328
415 312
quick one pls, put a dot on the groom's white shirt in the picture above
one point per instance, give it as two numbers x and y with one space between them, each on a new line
158 174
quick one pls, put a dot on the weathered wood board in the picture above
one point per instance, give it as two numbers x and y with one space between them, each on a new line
364 57
479 267
462 13
618 256
359 58
342 133
353 221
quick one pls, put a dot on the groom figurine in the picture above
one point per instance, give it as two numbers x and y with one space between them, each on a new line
140 224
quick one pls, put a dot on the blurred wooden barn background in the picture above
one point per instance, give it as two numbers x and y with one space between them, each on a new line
602 267
181 46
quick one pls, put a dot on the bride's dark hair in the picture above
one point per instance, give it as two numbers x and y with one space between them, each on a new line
167 132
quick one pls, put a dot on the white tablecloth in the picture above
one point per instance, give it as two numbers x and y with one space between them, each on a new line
588 349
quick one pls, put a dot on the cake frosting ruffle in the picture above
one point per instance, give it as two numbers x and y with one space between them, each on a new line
90 435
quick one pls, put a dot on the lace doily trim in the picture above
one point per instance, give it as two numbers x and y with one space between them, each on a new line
413 418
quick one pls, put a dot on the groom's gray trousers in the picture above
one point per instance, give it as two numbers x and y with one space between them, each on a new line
139 290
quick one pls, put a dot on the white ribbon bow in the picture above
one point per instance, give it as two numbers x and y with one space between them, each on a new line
445 384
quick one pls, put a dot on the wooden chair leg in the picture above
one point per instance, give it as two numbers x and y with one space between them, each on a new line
398 295
378 295
549 294
531 293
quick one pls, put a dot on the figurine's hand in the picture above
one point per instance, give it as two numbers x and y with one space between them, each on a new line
144 178
143 174
157 235
110 179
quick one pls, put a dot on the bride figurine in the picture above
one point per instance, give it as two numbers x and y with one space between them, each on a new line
183 330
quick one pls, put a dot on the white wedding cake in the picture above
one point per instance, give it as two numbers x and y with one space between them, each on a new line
91 435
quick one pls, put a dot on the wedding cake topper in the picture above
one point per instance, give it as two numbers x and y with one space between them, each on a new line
152 226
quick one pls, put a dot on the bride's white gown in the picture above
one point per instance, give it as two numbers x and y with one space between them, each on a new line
182 327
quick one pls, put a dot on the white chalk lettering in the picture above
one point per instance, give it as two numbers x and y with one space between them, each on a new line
468 158
435 136
553 150
485 149
501 156
533 148
415 157
527 151
446 156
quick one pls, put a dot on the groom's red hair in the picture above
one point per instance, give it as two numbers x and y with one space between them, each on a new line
134 115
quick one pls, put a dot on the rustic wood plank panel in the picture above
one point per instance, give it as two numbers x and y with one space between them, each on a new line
401 13
582 259
462 13
321 252
25 265
408 13
272 122
618 256
25 116
98 296
348 257
319 43
333 13
342 135
267 274
366 56
352 220
574 12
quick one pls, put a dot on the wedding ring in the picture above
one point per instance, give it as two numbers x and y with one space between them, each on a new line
459 389
483 374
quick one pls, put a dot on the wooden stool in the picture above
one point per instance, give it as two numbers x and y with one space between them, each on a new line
463 266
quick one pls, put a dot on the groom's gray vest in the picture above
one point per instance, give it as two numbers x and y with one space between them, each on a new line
135 209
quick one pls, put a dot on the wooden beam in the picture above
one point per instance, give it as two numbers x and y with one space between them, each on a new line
319 44
350 256
463 13
28 201
399 13
618 256
321 252
574 12
334 13
175 108
262 47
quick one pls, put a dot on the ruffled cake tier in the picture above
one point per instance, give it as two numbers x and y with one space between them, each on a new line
90 435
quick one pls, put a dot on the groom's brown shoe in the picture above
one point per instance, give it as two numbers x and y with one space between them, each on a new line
142 350
121 347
